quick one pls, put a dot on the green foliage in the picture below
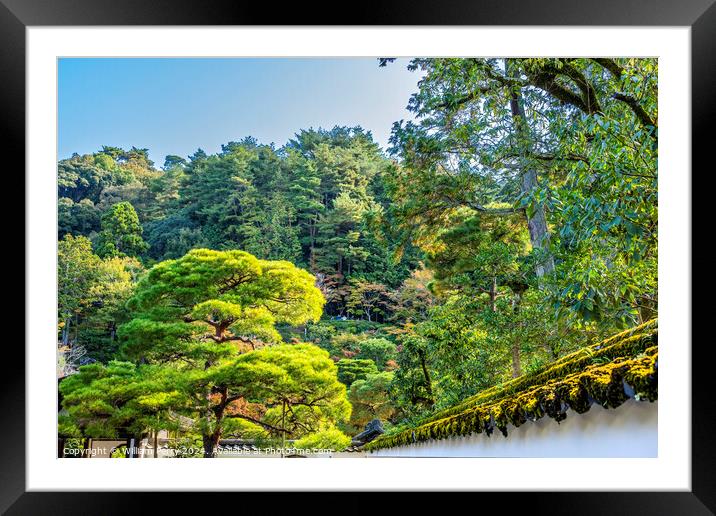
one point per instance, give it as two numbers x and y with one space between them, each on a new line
350 370
330 438
92 183
296 385
84 177
76 274
379 350
357 326
77 217
320 333
350 342
412 383
307 203
478 251
457 351
105 310
334 335
370 398
121 233
301 376
371 300
187 315
192 306
595 164
173 236
91 297
241 428
316 202
116 399
413 299
465 346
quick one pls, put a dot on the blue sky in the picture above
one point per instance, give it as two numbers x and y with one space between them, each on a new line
174 106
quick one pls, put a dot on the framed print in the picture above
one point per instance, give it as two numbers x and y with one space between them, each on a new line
418 252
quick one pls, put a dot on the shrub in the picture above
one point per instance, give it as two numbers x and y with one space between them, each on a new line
329 438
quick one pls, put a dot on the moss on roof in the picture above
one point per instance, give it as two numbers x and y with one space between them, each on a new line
608 373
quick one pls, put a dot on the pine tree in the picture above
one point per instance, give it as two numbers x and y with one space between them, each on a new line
121 233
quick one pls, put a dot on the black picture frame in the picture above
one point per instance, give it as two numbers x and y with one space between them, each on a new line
700 15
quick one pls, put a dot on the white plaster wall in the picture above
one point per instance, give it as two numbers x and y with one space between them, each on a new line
627 431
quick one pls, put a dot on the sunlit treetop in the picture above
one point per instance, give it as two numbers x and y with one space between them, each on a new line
218 296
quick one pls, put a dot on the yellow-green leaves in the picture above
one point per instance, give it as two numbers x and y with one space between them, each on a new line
301 375
330 438
207 298
217 312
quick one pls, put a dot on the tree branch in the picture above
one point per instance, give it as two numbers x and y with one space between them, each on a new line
617 71
639 111
255 421
611 66
546 79
454 103
233 282
548 83
588 91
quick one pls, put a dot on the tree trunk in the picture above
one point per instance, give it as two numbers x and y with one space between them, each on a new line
426 375
516 359
66 331
211 442
156 443
205 437
208 442
493 294
283 427
516 365
537 226
537 223
647 309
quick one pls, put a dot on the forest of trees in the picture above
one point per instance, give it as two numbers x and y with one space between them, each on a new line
301 291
